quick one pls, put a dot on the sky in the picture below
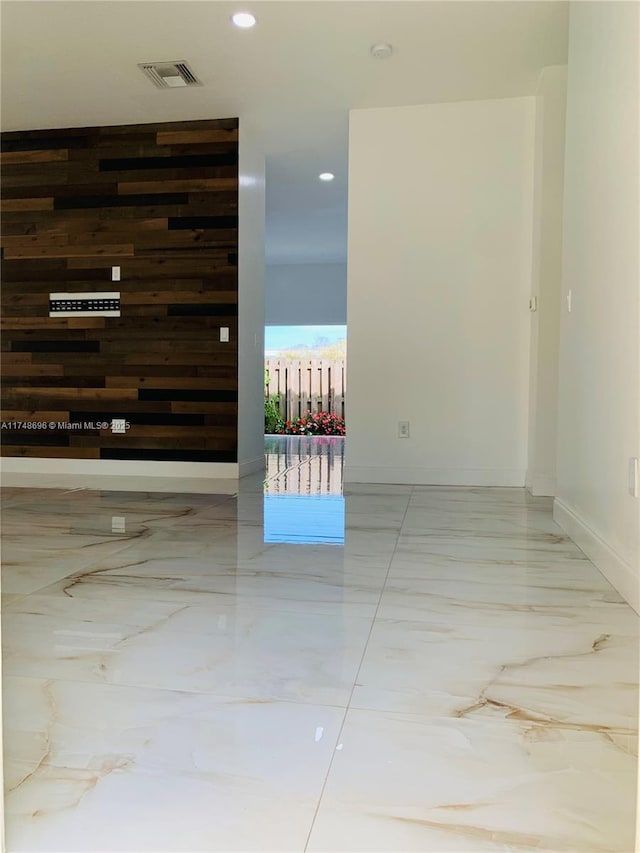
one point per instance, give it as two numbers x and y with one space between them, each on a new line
277 338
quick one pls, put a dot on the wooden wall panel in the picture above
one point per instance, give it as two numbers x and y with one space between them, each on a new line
161 202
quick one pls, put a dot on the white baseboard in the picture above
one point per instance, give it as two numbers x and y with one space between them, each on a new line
613 566
120 474
251 466
541 485
435 476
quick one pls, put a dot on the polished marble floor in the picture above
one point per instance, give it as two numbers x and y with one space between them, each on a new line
291 668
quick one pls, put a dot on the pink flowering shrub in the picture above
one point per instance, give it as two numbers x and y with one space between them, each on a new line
314 423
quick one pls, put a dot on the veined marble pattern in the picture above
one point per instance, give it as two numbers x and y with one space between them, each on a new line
455 676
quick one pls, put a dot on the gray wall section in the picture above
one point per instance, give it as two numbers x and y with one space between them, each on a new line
306 294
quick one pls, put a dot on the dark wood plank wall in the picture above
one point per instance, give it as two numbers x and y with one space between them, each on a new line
161 202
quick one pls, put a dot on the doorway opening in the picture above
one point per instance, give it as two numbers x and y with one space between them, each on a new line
305 380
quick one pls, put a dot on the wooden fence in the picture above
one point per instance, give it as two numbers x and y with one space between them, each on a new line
306 385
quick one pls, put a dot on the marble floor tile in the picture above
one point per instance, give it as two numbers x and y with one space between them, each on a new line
10 495
246 511
268 592
582 676
32 558
226 648
96 502
450 673
468 600
380 502
379 520
448 560
421 783
59 610
435 522
95 768
370 544
527 549
178 567
378 489
477 499
9 598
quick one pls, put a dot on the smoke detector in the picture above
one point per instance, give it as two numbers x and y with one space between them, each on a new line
170 75
381 51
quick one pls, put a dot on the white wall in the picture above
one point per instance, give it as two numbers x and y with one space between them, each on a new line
439 268
251 266
306 294
546 279
599 390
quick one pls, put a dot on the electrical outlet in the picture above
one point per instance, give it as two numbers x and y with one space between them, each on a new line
118 524
403 429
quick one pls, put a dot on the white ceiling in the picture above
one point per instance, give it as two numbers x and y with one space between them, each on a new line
295 75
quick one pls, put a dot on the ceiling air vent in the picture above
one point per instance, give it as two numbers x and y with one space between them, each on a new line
170 75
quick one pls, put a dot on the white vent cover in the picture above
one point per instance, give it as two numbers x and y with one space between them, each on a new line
170 75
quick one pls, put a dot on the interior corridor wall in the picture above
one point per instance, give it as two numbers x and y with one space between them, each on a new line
599 385
546 279
251 275
306 295
439 272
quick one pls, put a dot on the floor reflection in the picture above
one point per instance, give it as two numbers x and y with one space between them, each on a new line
303 501
456 676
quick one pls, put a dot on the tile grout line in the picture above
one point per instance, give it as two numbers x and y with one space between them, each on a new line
355 680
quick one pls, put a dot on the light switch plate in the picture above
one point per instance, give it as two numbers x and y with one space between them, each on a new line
224 334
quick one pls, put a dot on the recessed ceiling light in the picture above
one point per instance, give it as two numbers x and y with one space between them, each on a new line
244 20
326 176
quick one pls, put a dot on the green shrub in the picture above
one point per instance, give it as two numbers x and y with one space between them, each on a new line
273 423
